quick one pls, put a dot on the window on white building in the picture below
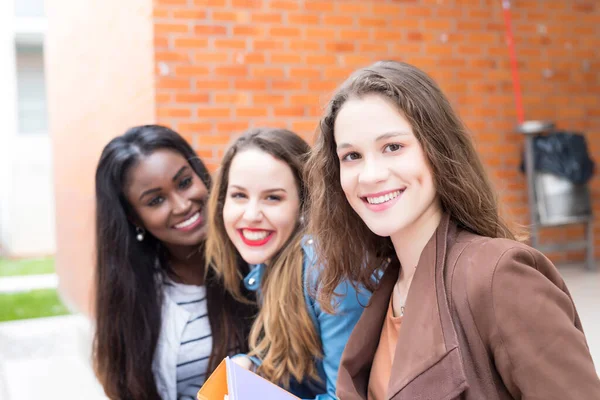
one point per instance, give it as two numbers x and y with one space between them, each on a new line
31 89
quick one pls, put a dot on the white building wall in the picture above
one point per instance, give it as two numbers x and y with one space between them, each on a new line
26 192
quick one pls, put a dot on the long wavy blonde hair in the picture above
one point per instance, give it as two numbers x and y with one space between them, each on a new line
283 335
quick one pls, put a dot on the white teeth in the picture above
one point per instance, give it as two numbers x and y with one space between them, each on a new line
188 221
255 235
384 198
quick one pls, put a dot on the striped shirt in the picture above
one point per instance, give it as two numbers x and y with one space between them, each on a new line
196 340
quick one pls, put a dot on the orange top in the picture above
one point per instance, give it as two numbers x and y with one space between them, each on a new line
384 356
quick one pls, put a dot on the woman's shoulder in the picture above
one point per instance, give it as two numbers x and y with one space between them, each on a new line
485 264
490 252
347 294
311 266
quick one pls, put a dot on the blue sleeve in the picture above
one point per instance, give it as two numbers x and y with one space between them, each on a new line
335 329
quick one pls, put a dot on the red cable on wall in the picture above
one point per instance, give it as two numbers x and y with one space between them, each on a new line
513 62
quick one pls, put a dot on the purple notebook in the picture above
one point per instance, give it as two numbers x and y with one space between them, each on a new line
246 385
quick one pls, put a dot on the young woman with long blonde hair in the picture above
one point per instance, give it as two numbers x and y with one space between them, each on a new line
256 214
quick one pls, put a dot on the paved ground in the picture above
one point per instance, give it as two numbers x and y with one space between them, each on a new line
585 289
49 358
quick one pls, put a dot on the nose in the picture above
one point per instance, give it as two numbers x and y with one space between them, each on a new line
372 171
252 212
181 204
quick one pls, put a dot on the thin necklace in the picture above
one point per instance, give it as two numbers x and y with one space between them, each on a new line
403 306
193 253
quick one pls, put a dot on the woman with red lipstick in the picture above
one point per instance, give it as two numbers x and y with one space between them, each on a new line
462 311
255 215
157 308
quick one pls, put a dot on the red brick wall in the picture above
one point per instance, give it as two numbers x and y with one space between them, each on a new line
223 66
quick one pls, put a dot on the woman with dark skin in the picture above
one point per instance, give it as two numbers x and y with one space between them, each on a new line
163 322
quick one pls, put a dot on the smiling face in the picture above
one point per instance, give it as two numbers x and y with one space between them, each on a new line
262 205
383 170
168 199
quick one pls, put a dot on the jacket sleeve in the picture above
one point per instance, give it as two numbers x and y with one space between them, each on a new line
335 329
529 321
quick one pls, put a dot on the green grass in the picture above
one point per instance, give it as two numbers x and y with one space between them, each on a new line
32 304
32 266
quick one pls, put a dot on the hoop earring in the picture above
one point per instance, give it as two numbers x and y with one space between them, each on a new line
140 233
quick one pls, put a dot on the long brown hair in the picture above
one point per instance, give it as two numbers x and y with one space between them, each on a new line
129 275
344 243
283 335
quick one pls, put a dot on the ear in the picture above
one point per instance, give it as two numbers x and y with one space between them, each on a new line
135 221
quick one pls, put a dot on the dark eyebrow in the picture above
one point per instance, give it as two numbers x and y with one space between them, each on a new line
178 174
264 191
175 177
275 190
150 191
387 135
343 146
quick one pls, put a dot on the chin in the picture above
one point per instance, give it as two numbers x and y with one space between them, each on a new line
196 240
382 230
254 259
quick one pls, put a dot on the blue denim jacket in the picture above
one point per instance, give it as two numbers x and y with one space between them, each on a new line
333 330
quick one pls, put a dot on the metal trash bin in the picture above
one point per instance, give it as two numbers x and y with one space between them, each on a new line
554 200
560 201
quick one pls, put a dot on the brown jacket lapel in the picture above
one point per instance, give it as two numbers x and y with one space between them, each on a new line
427 362
355 365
